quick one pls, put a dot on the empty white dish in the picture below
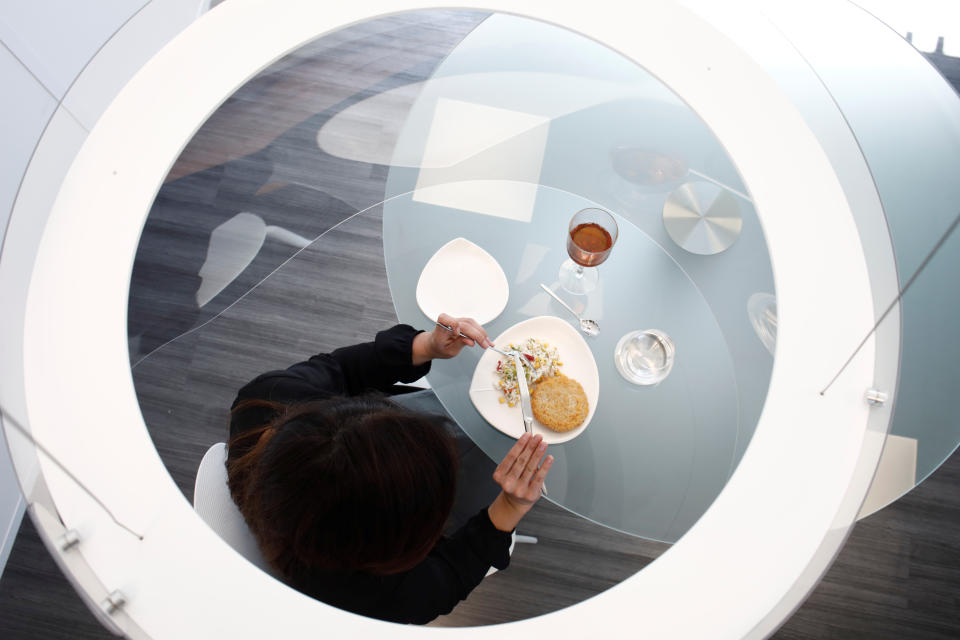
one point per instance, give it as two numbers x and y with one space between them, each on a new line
463 280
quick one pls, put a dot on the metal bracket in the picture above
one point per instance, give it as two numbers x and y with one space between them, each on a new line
68 540
876 397
113 602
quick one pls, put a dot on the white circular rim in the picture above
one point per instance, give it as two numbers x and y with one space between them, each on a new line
733 567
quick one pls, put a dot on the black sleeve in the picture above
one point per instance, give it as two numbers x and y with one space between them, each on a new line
350 370
454 567
378 364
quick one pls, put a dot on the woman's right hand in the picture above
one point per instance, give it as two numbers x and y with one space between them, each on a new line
520 476
447 343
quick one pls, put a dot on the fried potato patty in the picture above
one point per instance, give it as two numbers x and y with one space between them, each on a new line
559 403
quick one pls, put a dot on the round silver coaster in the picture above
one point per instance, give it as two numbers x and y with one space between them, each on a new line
702 218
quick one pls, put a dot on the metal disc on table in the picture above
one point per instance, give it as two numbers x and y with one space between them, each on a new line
702 218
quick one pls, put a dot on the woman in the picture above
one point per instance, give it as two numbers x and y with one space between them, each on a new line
348 492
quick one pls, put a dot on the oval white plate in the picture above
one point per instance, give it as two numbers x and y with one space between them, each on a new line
463 280
578 363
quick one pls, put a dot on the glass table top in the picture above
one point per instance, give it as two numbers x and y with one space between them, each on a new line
653 458
559 125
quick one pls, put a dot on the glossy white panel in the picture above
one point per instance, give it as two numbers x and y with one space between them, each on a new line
896 474
909 130
771 519
54 152
145 33
56 38
21 123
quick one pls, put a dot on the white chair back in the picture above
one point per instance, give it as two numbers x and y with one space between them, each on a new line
215 506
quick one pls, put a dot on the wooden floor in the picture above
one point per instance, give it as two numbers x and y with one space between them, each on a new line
897 577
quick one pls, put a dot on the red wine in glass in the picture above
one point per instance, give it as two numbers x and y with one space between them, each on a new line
591 235
589 244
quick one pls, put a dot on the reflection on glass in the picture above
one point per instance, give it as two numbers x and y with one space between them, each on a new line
762 310
234 208
644 167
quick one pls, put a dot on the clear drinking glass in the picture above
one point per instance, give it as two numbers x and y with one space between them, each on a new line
644 357
590 237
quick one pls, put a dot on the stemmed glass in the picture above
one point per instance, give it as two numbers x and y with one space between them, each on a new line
590 237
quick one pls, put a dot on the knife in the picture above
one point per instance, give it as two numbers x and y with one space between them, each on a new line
525 407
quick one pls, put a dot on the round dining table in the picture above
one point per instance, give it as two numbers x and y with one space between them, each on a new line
562 126
652 458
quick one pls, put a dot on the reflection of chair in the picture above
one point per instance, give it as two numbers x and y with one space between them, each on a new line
215 506
233 246
896 474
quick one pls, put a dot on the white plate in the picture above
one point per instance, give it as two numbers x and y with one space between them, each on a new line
463 280
578 363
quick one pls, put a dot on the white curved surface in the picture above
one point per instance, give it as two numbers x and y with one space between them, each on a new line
771 520
462 280
53 50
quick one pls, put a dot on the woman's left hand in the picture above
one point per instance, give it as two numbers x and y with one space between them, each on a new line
441 343
520 475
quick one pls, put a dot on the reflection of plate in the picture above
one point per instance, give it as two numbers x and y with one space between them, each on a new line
463 280
762 310
647 168
578 363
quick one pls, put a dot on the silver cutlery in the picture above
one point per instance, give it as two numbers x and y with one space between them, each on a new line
526 407
589 327
492 348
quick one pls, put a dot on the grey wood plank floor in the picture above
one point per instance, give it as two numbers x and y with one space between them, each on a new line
897 576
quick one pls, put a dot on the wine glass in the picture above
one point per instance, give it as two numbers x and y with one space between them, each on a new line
590 237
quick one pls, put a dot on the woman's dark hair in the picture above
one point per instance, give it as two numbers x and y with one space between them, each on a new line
344 484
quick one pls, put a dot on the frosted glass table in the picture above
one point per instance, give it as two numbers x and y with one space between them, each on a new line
502 145
654 457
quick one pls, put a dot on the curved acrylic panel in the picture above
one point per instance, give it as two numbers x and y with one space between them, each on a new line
906 119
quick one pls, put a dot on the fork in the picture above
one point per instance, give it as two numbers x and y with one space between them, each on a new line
525 359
